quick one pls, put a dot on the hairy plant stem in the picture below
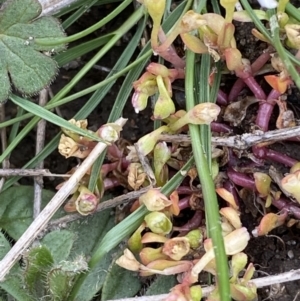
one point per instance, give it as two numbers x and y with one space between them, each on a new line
208 189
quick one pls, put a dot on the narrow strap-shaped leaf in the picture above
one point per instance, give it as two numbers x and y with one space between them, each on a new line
208 186
51 117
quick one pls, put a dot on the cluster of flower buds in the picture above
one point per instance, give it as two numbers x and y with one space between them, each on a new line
74 145
241 289
203 113
157 78
71 144
168 255
168 258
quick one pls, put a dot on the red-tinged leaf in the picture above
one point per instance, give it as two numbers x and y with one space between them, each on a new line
269 222
276 83
233 58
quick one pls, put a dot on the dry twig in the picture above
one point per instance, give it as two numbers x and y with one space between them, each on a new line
243 141
40 143
5 162
43 218
11 172
51 7
120 200
259 282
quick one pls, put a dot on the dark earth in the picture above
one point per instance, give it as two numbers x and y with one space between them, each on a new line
272 254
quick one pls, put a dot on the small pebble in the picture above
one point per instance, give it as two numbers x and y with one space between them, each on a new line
290 254
291 242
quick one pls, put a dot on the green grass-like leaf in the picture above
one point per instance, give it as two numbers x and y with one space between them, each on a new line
208 187
51 117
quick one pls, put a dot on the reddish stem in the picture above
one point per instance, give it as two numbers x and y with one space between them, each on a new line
256 66
110 183
185 190
262 120
269 154
231 188
264 114
220 127
241 179
184 203
280 158
170 54
108 167
222 98
255 87
236 89
287 206
265 110
192 224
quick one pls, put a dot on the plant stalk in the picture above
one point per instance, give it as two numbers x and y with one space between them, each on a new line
208 187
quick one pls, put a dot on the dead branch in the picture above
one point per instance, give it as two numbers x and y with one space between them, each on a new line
243 141
259 282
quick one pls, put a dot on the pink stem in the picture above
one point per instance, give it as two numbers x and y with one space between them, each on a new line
184 203
220 127
222 98
280 158
241 179
256 66
264 114
185 190
108 167
110 183
274 94
170 54
231 188
265 110
255 87
288 206
262 120
192 224
236 89
269 154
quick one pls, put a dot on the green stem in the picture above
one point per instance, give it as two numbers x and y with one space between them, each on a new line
274 26
263 30
58 41
127 25
293 11
208 187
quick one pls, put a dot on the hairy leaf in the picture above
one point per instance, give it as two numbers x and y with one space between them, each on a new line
21 61
16 209
161 285
120 283
59 243
38 261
